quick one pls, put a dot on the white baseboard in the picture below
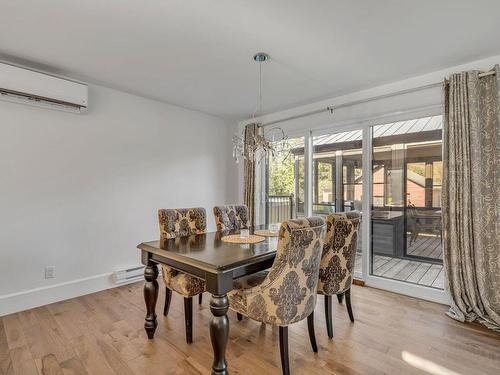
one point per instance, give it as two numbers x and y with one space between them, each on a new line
28 299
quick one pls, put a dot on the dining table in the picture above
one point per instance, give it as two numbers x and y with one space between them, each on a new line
219 263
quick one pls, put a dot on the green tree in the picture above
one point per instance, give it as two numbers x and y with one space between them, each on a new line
281 175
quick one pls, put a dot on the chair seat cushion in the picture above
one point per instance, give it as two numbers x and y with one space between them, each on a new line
247 286
182 283
238 301
258 302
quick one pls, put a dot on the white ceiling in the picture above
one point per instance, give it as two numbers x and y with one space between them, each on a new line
198 53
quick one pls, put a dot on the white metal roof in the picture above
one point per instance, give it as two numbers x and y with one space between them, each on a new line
400 127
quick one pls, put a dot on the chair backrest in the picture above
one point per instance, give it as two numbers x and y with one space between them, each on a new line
181 222
231 217
339 252
288 293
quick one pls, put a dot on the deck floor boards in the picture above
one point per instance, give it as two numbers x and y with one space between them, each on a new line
426 246
412 270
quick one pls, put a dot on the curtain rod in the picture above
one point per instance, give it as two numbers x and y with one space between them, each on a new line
490 73
480 75
361 101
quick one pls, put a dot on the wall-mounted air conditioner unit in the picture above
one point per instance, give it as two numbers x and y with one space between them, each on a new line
26 86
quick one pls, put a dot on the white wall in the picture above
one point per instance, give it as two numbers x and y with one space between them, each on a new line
81 191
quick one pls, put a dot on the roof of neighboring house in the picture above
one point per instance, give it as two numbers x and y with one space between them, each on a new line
415 178
395 128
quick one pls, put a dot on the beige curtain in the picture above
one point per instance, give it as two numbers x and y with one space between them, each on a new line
471 196
251 130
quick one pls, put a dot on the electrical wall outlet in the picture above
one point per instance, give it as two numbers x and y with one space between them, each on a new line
50 272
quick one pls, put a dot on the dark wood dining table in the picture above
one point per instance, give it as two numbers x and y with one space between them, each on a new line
213 260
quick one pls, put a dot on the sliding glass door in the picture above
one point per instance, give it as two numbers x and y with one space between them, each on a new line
406 201
392 173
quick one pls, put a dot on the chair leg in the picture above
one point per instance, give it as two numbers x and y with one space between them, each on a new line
312 335
348 303
285 367
328 316
340 297
239 317
188 317
168 298
200 298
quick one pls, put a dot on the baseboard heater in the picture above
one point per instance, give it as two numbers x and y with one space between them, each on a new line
129 275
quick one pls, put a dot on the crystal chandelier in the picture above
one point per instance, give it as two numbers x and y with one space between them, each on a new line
262 141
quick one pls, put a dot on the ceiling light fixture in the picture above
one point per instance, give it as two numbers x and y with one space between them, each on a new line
268 141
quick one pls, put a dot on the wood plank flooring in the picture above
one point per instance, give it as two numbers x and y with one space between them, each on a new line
103 333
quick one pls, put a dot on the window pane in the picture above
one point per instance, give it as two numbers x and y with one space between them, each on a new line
415 184
352 178
437 172
337 177
436 196
285 193
324 184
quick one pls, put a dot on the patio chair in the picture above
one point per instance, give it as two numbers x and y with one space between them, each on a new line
422 222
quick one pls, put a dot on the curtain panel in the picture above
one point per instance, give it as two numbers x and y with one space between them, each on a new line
251 131
471 196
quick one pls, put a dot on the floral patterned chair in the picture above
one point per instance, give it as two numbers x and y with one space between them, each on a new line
337 261
287 293
175 223
231 217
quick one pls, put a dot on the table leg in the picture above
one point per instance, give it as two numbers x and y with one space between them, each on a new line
150 297
219 332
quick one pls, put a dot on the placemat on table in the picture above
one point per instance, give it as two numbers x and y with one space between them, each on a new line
235 238
266 233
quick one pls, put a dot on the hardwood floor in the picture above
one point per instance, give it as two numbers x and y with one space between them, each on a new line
103 333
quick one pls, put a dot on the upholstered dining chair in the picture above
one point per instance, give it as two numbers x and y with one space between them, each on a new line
287 293
231 217
337 261
175 223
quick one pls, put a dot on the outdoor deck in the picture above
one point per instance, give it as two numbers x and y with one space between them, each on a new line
426 246
413 271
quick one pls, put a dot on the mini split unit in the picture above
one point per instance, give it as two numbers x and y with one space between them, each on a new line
26 86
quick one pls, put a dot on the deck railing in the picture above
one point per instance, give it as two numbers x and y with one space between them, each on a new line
280 208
